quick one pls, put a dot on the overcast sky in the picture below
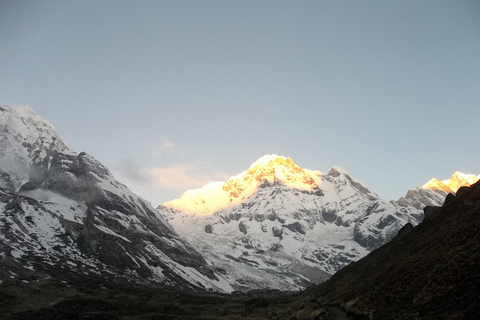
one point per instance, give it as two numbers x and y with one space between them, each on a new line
173 94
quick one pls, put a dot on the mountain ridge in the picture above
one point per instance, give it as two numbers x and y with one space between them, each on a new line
426 272
63 209
451 185
279 225
268 169
331 220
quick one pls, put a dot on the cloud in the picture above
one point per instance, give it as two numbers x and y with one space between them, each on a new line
167 144
165 183
183 177
133 172
163 147
153 182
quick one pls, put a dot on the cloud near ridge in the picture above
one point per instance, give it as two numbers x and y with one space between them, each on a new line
179 177
183 177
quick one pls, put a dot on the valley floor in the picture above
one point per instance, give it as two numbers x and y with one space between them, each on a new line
75 297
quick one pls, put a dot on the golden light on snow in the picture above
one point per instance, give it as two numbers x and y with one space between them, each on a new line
269 170
453 184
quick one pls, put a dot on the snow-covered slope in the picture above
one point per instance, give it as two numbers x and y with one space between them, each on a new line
277 225
61 209
433 192
453 184
25 140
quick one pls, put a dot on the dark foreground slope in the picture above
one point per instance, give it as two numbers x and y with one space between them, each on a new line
428 272
71 295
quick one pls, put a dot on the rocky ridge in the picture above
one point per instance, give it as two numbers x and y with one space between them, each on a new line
427 272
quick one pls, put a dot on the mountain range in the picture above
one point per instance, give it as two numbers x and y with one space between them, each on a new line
275 225
426 272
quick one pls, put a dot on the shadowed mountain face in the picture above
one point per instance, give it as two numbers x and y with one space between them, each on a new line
60 209
427 272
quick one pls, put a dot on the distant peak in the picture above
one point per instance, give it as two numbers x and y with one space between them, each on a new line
271 161
21 108
268 170
336 170
451 185
269 158
21 111
273 168
22 126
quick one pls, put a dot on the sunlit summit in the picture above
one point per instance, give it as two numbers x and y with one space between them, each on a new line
268 170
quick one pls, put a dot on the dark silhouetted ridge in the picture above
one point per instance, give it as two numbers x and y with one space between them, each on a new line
427 272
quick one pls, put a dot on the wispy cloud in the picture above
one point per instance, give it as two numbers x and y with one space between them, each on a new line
163 147
167 145
129 169
181 177
154 182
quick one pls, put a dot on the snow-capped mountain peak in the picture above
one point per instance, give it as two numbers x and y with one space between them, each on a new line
26 139
21 122
336 170
266 171
271 169
278 217
451 185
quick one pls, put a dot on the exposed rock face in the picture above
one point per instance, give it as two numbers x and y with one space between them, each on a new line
65 206
208 228
431 272
277 232
419 198
296 227
242 227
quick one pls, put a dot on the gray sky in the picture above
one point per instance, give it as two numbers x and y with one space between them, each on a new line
173 94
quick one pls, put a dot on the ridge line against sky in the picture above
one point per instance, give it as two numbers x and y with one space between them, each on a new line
188 92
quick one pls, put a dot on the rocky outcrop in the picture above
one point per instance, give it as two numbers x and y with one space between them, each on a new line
209 228
296 227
